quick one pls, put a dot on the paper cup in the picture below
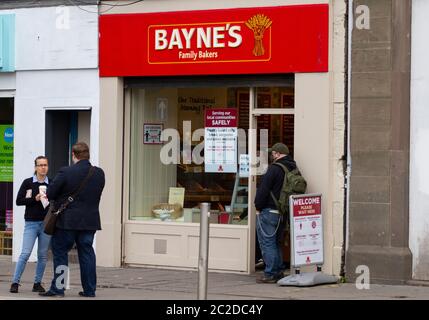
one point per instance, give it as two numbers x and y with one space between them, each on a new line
42 189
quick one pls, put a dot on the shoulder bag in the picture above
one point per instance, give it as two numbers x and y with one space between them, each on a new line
51 217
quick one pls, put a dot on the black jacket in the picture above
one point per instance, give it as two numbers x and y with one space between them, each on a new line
33 209
83 213
272 181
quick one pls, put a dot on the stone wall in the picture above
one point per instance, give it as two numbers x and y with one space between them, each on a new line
380 102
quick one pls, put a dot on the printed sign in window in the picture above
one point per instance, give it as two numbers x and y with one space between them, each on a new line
220 141
152 133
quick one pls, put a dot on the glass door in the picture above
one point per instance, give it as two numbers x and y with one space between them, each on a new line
271 121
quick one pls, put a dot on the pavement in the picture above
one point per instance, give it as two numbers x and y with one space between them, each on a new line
138 283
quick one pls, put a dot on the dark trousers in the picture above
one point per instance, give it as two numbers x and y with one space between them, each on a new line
258 253
62 242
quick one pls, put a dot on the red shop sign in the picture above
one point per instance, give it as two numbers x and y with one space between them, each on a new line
285 39
307 206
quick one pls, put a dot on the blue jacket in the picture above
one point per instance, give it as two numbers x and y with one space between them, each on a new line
83 213
272 181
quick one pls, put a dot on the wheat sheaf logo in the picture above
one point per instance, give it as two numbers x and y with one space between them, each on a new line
258 24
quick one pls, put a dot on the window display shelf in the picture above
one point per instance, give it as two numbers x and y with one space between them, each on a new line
6 243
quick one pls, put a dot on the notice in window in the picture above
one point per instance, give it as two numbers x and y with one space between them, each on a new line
220 141
176 196
152 133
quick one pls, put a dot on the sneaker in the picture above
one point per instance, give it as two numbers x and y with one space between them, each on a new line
14 288
37 287
50 293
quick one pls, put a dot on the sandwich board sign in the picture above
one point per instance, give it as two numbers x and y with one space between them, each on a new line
306 226
306 241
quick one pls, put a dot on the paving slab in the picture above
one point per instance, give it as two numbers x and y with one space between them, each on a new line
138 283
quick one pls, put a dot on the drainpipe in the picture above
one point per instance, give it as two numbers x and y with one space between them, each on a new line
348 168
347 150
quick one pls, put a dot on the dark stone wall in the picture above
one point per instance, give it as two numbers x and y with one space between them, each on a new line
380 131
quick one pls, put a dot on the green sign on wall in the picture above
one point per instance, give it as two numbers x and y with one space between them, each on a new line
6 153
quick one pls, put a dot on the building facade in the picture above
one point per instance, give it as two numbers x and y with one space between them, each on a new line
299 101
51 87
136 80
387 222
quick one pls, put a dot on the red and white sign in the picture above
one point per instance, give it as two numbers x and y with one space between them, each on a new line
220 140
284 39
221 118
306 230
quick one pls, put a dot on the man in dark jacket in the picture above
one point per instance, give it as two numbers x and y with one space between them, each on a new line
268 223
78 222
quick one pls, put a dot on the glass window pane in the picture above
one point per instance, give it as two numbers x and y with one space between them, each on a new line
275 97
154 181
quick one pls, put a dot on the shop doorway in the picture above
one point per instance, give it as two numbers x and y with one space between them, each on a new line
64 128
272 115
6 174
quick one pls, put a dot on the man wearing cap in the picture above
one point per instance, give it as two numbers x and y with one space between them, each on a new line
268 224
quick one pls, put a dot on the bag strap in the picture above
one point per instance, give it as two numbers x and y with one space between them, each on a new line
285 169
83 183
71 198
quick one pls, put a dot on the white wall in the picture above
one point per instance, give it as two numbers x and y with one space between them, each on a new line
312 149
179 5
36 91
56 38
419 153
7 82
56 64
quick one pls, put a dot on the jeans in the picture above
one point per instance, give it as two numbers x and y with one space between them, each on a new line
62 243
268 229
33 230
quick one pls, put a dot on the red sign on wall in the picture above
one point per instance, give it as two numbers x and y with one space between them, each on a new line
221 118
284 39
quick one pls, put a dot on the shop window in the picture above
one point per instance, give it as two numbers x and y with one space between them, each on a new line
172 192
6 175
275 97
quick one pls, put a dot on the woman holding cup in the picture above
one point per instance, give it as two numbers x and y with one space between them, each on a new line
32 195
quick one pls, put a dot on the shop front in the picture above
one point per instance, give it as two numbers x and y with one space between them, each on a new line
7 108
190 103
